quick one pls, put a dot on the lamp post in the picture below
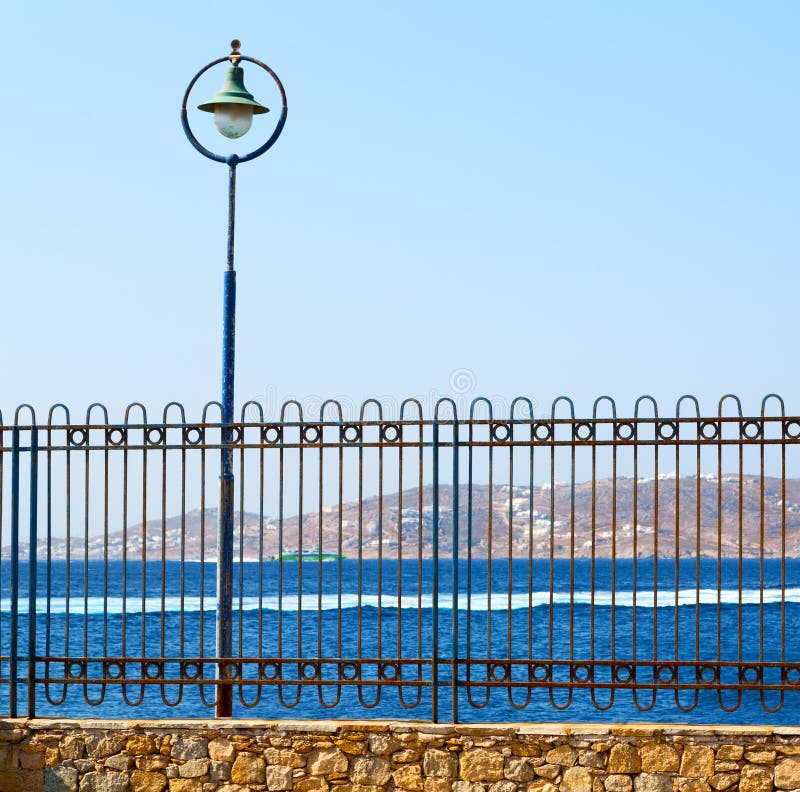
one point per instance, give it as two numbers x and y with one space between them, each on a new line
233 108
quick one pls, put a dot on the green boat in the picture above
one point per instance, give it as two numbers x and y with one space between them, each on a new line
308 555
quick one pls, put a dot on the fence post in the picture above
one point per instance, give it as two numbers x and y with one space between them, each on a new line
435 582
454 683
13 648
32 558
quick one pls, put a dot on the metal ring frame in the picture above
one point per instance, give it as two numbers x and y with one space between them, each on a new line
233 158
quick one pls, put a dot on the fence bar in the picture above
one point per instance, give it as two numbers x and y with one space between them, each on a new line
13 638
435 581
454 683
32 574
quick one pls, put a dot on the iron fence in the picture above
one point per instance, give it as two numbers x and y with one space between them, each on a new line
437 564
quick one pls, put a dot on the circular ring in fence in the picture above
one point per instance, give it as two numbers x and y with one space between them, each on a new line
391 433
152 670
499 672
666 673
272 434
583 430
707 674
268 671
539 672
311 433
193 435
750 675
78 437
348 671
751 430
580 673
388 671
116 436
351 433
709 430
543 430
76 669
112 670
190 670
791 429
235 435
624 430
791 675
667 430
310 671
623 673
499 431
154 436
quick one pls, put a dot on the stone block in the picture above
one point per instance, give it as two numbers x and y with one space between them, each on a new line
548 771
248 769
659 757
373 770
518 769
618 782
437 785
60 779
323 761
755 778
481 764
541 786
189 747
311 785
729 753
760 757
140 745
221 750
440 764
592 759
144 781
576 779
185 785
408 777
722 781
564 755
285 757
697 761
503 786
382 744
652 782
787 774
193 768
624 758
279 778
98 746
104 782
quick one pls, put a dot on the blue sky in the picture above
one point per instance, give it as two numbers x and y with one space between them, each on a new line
577 198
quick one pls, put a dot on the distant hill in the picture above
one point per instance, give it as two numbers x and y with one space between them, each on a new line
533 519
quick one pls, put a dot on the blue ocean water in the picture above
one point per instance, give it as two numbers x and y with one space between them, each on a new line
385 610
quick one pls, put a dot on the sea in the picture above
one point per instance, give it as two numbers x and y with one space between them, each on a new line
650 609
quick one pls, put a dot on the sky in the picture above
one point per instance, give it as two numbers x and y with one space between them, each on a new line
467 199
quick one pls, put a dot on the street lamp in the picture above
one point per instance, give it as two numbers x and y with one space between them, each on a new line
233 108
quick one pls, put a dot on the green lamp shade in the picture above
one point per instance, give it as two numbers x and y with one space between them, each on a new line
233 92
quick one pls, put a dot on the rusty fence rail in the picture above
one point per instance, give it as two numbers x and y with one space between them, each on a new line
442 565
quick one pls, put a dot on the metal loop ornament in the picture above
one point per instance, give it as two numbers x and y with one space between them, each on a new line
234 158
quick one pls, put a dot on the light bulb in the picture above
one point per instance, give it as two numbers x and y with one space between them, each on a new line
233 120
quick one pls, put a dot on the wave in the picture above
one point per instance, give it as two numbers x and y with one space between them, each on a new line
482 602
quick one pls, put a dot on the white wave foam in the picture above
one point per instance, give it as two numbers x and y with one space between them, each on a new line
94 606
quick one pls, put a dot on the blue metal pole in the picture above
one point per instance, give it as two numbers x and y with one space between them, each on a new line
13 649
224 707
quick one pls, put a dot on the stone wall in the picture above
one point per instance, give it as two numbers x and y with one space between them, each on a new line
339 756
